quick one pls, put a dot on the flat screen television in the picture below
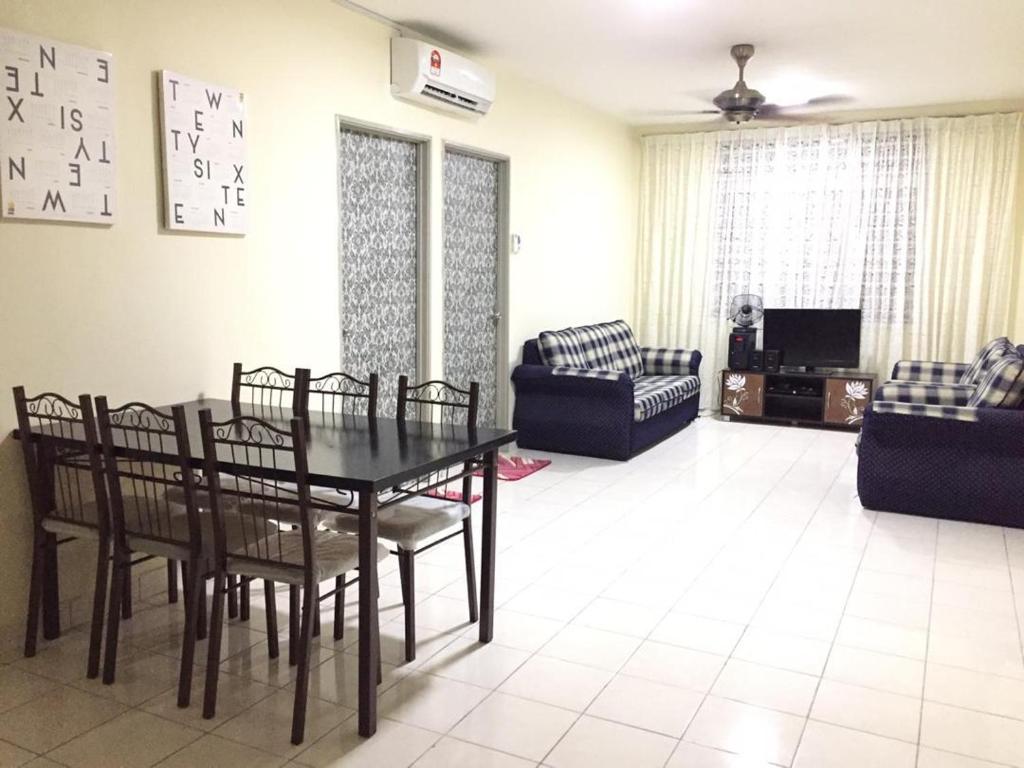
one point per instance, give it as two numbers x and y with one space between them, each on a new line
814 338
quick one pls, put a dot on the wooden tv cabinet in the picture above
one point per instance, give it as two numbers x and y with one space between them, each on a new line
808 399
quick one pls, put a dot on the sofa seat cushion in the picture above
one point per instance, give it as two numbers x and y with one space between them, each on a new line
561 348
654 394
611 346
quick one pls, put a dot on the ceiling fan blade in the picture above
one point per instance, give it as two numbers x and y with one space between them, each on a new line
678 112
829 101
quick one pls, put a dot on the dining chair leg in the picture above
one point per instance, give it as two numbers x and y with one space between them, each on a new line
339 607
213 655
244 606
99 604
35 597
202 631
467 543
51 588
114 614
316 613
311 607
188 644
172 581
270 605
232 597
293 625
407 574
126 595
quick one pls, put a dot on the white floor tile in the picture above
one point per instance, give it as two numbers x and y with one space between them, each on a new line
56 717
689 755
895 674
395 745
215 752
662 663
430 702
974 734
934 758
554 681
594 743
469 660
267 726
645 704
698 633
753 732
593 647
528 729
866 709
882 637
830 746
452 753
134 739
617 616
768 687
782 650
975 690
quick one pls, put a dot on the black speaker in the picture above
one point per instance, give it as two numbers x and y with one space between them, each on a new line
756 360
771 360
741 343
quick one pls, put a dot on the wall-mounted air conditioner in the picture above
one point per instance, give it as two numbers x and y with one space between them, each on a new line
426 74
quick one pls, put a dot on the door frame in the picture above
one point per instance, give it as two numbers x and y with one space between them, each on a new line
423 149
503 387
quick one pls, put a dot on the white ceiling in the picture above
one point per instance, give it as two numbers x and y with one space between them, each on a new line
641 58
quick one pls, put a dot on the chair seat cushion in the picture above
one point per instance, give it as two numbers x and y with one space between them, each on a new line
239 531
86 524
409 523
336 553
654 394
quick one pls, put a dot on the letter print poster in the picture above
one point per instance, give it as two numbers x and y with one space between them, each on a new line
205 174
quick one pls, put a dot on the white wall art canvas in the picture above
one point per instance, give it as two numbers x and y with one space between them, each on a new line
205 174
57 159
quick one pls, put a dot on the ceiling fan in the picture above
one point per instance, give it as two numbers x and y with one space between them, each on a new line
742 103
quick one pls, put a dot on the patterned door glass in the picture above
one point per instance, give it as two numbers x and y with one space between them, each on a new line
470 276
379 233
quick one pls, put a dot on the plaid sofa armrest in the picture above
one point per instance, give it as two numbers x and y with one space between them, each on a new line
664 361
924 394
929 372
588 373
954 412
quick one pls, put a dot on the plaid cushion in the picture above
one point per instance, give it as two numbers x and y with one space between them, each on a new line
991 352
1003 384
610 346
587 373
957 413
923 394
930 373
561 348
654 394
659 360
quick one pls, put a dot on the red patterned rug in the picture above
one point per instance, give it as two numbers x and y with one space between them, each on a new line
509 468
516 467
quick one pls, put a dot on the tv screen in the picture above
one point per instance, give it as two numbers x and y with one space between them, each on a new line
816 338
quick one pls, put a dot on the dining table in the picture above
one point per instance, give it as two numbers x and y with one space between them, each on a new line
379 462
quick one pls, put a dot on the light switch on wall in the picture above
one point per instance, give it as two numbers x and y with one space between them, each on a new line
517 243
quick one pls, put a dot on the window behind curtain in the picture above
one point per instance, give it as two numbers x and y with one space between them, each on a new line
820 217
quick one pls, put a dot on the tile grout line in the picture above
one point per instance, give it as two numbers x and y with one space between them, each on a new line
927 645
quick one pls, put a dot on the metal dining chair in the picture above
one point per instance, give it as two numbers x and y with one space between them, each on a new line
265 392
255 454
69 499
336 398
416 520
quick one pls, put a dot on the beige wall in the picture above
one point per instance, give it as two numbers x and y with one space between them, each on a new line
133 311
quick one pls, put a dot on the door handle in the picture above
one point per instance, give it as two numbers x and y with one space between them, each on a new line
496 317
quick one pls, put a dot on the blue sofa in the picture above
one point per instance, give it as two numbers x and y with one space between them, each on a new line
593 391
946 440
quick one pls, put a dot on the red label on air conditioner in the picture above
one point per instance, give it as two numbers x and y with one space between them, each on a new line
435 62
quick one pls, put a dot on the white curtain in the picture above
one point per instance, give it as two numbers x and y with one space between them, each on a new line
869 215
